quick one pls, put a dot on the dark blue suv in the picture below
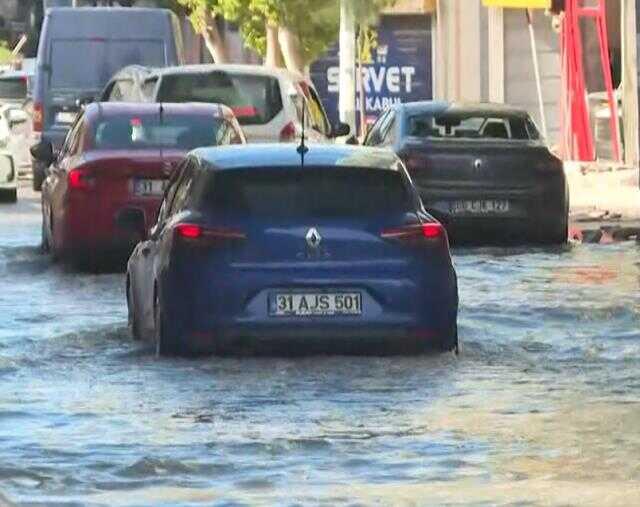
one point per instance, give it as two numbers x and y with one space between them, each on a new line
254 247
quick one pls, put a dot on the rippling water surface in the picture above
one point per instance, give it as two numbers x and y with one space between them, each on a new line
541 408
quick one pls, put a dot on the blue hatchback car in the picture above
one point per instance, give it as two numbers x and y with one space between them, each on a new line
256 248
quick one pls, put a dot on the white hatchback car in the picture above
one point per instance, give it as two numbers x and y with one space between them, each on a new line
270 104
11 116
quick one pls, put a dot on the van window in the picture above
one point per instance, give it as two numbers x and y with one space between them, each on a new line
72 60
255 100
13 88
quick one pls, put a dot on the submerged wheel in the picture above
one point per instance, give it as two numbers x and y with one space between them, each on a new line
167 343
134 325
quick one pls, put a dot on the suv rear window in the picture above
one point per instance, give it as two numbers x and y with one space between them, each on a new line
87 64
181 132
255 100
13 88
472 126
308 193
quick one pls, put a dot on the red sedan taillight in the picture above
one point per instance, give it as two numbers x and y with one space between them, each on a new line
288 133
81 180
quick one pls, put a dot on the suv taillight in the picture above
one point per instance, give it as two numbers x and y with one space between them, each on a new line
198 234
418 234
38 117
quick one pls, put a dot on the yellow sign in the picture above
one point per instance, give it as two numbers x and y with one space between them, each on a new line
518 4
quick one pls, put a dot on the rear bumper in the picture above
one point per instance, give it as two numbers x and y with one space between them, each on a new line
534 212
395 316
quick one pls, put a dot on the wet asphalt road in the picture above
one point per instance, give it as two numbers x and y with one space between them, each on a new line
541 408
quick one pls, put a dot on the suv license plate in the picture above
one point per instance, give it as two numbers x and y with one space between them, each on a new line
315 304
148 187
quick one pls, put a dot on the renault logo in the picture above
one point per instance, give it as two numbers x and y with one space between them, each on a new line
477 164
313 238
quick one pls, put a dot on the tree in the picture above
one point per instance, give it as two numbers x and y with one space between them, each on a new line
203 15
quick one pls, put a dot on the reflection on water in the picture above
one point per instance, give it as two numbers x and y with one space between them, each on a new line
542 407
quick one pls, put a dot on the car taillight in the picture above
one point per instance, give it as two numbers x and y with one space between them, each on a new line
288 133
38 117
80 180
208 235
431 231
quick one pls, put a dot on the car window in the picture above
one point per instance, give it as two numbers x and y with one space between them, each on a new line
461 125
314 193
375 137
122 90
174 131
174 182
13 88
148 88
179 199
316 111
72 140
387 130
255 100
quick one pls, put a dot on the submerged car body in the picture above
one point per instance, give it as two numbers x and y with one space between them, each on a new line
115 163
253 247
481 169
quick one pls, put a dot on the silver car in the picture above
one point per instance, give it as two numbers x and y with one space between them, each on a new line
12 144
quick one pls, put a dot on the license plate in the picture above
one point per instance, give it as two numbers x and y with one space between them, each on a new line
66 117
315 304
147 187
479 207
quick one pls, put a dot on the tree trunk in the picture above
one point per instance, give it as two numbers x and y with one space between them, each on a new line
273 58
291 50
213 40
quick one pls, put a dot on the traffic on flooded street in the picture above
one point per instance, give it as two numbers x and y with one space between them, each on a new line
543 395
319 253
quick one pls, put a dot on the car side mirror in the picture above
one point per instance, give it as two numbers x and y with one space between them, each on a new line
132 220
43 152
341 129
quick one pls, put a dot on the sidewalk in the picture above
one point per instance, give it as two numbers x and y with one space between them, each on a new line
605 202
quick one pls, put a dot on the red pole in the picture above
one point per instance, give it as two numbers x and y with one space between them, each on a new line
601 22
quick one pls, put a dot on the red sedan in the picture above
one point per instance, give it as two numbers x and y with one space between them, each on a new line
112 170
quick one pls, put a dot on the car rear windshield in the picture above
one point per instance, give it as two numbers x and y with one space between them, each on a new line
255 100
181 132
310 193
87 64
13 88
472 126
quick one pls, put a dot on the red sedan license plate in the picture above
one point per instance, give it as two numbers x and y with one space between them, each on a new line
310 304
149 187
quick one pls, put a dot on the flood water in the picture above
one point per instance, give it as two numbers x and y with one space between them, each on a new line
541 408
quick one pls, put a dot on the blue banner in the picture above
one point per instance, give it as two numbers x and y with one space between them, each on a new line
397 58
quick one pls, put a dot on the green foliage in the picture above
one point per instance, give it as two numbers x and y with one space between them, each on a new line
315 22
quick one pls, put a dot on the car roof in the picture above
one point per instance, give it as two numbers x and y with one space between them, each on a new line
480 108
255 70
285 156
108 109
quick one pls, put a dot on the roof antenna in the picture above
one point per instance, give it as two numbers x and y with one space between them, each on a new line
302 148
